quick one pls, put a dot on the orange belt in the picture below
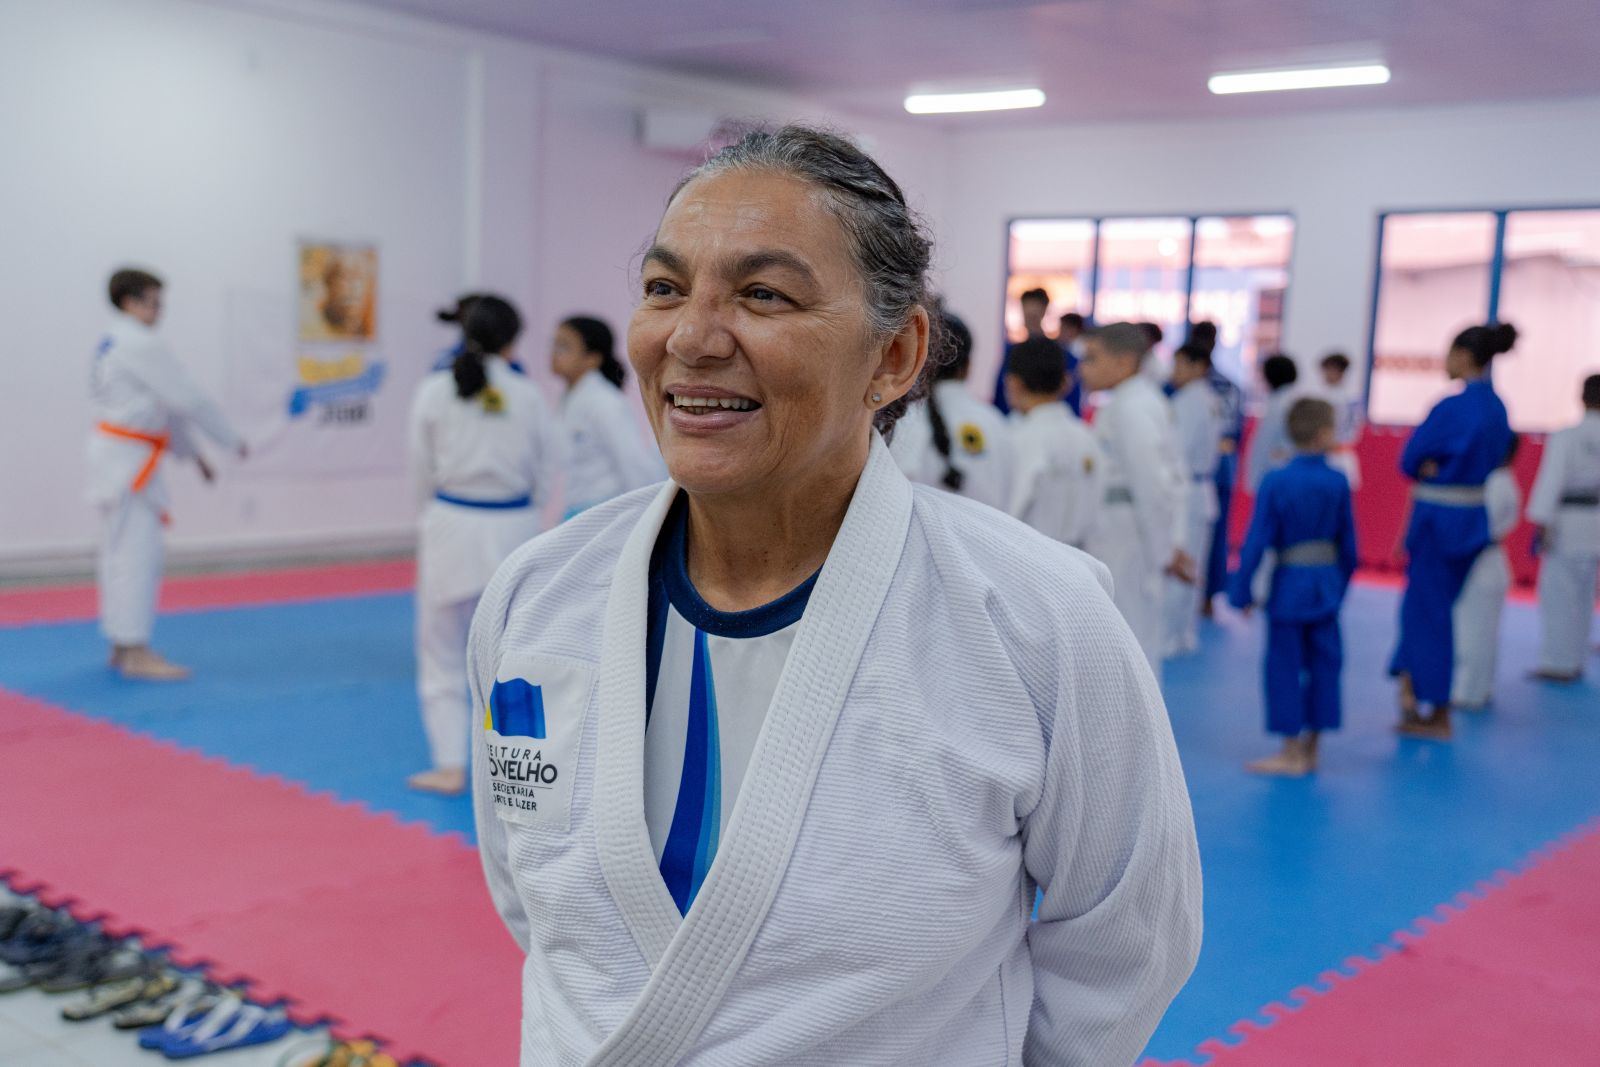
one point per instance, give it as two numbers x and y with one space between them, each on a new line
156 441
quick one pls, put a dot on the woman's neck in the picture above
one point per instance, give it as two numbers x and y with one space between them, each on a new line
746 550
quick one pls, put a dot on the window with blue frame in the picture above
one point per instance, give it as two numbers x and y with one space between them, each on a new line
1441 271
1170 270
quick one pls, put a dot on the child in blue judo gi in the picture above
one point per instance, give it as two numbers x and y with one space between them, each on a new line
1302 513
1449 457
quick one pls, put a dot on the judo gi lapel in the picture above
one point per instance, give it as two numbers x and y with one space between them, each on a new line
702 957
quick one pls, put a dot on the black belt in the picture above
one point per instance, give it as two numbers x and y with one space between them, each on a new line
1581 500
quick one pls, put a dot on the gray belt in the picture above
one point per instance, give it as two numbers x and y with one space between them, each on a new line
1309 554
1451 496
1119 494
1581 500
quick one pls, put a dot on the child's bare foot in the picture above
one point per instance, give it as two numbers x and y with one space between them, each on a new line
450 782
1409 713
1436 727
1297 760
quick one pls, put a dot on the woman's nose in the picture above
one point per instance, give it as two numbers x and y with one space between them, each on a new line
700 332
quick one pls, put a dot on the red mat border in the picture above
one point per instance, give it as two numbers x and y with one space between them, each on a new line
1217 1049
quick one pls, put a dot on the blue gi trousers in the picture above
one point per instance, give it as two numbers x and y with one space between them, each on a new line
1302 676
1217 564
1427 646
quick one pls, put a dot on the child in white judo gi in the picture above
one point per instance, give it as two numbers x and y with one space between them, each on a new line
1347 414
1270 447
953 439
145 406
606 455
484 454
1197 410
1477 610
1303 513
1058 482
1140 533
1565 506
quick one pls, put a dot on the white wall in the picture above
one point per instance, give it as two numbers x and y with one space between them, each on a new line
1334 172
204 138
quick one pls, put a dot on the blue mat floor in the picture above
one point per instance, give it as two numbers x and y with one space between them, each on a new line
1300 875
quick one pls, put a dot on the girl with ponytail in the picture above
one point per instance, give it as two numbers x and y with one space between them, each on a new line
484 457
1449 458
606 453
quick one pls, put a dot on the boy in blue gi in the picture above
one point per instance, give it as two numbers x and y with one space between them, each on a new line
1302 513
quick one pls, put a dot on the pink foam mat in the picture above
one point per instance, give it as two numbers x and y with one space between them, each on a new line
382 928
30 605
1506 974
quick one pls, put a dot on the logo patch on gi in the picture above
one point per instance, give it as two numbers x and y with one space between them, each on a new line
972 439
533 726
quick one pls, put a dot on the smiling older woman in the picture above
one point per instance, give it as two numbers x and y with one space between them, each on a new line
775 757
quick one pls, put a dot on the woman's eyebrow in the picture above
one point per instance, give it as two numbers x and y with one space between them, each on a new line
766 259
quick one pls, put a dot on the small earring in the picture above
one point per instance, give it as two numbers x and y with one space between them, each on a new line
877 398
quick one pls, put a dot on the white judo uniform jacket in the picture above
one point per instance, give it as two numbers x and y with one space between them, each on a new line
138 384
1197 415
459 450
606 454
1060 479
1144 517
981 445
1476 614
1566 501
962 718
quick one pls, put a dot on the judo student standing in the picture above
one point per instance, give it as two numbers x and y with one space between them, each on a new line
1450 457
729 717
1348 414
145 407
1565 505
606 456
1142 519
1270 447
952 439
1303 514
1197 414
484 454
1058 484
1477 612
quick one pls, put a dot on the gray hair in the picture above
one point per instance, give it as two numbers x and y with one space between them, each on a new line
889 243
1123 339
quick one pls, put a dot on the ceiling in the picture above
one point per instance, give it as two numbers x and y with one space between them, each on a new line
1096 60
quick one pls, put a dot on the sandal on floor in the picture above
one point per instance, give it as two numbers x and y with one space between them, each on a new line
116 963
39 937
110 996
231 1024
194 995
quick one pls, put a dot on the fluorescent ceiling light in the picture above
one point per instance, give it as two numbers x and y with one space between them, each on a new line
1269 81
945 103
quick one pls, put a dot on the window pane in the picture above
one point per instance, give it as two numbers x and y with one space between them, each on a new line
1241 272
1433 283
1056 255
1550 289
1143 275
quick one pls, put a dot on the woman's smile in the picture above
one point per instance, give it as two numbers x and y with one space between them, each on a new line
700 409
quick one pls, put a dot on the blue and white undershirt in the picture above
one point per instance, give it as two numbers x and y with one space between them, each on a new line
710 677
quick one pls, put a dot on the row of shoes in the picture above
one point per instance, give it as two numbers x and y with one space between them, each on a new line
181 1015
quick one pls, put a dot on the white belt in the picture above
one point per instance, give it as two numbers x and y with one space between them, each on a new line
1450 496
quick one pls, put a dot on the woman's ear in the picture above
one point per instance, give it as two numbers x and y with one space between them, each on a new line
901 360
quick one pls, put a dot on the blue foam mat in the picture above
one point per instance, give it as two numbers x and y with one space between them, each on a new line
1300 875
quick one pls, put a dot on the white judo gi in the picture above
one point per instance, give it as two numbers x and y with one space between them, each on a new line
1060 479
469 454
1270 447
1566 501
606 453
1197 415
139 389
1477 610
1349 419
981 447
1143 520
962 717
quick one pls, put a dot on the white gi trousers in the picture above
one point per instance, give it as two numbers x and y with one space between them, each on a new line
1477 628
1138 583
1183 599
442 679
1566 609
129 570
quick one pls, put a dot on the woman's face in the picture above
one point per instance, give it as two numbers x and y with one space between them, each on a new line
1458 364
751 340
568 357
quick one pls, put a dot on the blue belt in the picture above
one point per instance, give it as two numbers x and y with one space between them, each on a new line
490 505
